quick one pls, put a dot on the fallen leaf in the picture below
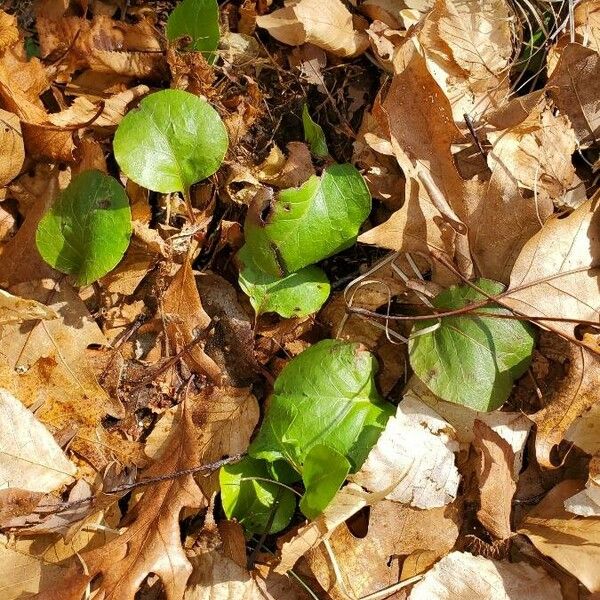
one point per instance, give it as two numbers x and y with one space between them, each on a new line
574 88
572 541
151 543
328 25
468 45
32 459
586 503
462 575
185 320
413 460
555 273
16 310
22 575
13 150
497 483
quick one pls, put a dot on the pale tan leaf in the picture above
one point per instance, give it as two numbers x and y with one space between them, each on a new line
555 273
572 541
12 153
9 32
327 25
23 575
462 575
575 88
413 460
16 310
31 459
468 45
587 502
584 431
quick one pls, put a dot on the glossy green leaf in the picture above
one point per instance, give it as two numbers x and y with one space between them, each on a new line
86 231
323 474
296 295
171 141
304 225
313 134
324 396
252 501
471 360
198 20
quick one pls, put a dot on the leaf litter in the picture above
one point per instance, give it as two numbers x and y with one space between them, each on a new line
299 300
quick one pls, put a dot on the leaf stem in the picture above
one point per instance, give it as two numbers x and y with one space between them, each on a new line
188 204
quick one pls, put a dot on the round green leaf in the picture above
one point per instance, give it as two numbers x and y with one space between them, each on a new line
86 231
323 474
471 360
296 295
198 20
304 225
171 141
324 396
252 501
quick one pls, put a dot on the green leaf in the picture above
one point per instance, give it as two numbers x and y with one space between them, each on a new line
171 141
86 231
313 134
304 225
471 360
296 295
324 396
323 474
199 20
252 501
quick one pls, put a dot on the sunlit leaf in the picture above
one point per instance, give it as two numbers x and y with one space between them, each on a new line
471 360
249 497
86 231
171 141
198 20
313 134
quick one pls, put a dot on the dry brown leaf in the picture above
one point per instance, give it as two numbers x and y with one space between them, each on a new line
573 542
11 142
32 460
468 45
537 151
328 25
584 432
497 483
151 543
9 32
462 575
557 270
185 319
368 563
16 310
413 460
574 86
577 392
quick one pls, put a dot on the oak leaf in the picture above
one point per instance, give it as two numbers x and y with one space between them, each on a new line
151 542
572 541
11 142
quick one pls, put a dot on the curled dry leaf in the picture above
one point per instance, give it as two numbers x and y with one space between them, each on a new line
495 461
151 542
413 460
328 25
12 153
468 45
16 310
573 542
186 320
462 575
31 459
575 86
